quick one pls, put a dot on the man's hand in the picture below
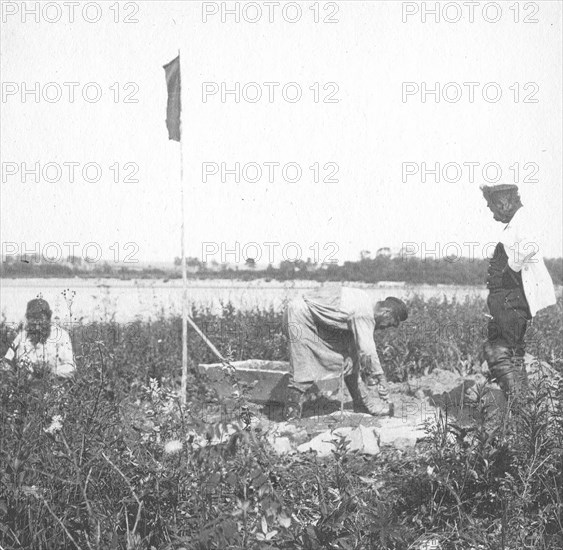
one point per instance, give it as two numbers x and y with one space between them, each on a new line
40 371
368 372
376 380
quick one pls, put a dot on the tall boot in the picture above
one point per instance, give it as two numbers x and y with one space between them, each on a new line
511 376
501 367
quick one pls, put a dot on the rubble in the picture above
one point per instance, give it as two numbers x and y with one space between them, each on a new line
400 433
362 439
416 408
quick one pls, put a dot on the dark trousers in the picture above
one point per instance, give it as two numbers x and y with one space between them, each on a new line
510 312
505 348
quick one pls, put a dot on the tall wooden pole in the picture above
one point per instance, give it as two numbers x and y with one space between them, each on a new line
184 266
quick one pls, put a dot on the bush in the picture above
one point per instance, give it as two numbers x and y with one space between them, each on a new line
112 460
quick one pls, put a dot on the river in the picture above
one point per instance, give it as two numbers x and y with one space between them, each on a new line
127 300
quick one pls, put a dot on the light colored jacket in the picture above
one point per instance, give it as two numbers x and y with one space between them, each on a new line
55 354
525 254
348 309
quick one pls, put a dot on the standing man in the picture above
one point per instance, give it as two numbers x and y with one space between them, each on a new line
519 286
330 333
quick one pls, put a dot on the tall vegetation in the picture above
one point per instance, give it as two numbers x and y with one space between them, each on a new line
113 460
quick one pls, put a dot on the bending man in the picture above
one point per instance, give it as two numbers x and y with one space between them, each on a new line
332 329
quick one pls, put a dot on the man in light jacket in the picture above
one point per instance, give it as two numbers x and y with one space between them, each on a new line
519 286
40 347
330 334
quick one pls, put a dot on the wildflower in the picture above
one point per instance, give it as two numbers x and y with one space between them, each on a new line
173 446
168 407
56 425
285 520
32 491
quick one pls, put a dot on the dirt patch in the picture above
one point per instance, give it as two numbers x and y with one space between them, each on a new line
418 404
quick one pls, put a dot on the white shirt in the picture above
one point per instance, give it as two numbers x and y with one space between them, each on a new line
55 354
525 254
348 309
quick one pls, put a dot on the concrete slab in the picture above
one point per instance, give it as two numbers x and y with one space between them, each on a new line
266 380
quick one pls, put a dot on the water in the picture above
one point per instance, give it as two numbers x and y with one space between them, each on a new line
124 301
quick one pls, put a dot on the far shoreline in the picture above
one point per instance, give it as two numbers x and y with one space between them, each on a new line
213 282
199 282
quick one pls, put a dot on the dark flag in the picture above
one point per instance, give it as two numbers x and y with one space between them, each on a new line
174 105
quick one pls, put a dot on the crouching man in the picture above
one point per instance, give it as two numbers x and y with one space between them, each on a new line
519 286
39 347
330 332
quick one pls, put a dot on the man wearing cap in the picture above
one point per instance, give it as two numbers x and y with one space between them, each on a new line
330 333
519 286
39 347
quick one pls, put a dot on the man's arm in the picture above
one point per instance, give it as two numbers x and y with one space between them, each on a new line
362 327
522 246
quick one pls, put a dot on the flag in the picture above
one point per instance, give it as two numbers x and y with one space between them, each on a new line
174 105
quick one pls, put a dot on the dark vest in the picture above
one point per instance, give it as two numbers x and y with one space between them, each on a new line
496 266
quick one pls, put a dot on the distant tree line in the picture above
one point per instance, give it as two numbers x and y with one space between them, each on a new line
458 271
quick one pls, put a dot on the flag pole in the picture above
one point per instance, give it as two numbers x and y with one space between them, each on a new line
184 388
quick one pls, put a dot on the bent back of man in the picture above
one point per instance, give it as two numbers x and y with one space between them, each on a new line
330 333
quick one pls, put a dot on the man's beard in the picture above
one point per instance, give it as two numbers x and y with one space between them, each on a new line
39 334
506 214
503 218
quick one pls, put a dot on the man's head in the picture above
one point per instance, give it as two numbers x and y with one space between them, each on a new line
503 201
390 313
38 317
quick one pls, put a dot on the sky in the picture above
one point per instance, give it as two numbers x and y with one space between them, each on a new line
360 122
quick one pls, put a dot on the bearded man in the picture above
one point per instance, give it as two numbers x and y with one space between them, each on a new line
38 348
330 334
519 286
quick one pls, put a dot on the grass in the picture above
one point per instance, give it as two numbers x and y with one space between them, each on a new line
113 461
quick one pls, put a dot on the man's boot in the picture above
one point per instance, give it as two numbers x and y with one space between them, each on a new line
507 369
499 361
